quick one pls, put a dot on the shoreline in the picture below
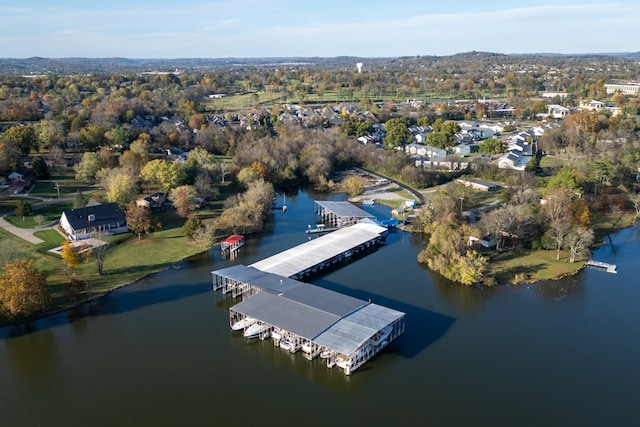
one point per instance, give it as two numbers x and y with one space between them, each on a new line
393 196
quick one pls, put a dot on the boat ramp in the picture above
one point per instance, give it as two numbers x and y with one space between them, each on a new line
343 330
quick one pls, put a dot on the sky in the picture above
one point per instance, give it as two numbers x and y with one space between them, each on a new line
310 28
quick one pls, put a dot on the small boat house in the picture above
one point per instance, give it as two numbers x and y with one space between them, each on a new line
232 243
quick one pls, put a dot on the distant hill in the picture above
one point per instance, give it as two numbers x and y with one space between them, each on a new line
40 65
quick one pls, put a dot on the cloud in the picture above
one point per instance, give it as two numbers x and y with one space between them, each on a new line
297 28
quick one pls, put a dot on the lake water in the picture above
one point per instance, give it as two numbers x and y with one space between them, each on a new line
160 352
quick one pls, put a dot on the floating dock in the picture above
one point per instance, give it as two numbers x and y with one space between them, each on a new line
610 268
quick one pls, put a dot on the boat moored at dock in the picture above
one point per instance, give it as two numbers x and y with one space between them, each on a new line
255 330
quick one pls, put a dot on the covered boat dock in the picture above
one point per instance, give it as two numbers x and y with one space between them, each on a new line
312 256
340 214
346 331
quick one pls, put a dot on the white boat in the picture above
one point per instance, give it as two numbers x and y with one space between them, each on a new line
243 323
256 329
290 345
325 354
307 347
276 334
343 362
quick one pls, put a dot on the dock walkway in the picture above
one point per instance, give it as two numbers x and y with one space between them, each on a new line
302 260
610 268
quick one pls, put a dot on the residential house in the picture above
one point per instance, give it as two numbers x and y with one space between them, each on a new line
462 149
83 223
151 201
557 111
478 185
15 175
415 149
19 182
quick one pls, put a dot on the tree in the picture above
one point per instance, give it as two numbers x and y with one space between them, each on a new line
491 146
40 168
49 133
510 221
165 174
132 161
118 137
565 178
449 253
191 226
397 133
203 184
70 257
79 200
56 154
635 199
89 166
23 209
556 210
99 254
578 241
23 289
184 199
140 220
9 154
205 236
354 185
24 138
74 288
121 186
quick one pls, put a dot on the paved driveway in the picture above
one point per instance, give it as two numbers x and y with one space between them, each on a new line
23 233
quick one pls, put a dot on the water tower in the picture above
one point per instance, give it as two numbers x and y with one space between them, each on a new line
359 66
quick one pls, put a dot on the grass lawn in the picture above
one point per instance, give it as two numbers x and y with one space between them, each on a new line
530 266
128 259
551 162
52 239
476 198
47 212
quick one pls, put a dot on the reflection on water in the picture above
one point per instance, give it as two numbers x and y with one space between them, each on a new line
160 352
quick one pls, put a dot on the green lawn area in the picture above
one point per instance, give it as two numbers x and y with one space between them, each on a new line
128 259
46 212
551 162
52 239
530 265
476 198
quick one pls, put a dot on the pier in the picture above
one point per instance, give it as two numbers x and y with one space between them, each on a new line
315 255
340 214
345 331
610 268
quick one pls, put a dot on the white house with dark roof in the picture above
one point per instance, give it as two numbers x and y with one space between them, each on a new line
86 222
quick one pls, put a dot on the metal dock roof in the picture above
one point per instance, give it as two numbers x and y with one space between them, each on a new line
312 253
352 331
329 319
344 209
